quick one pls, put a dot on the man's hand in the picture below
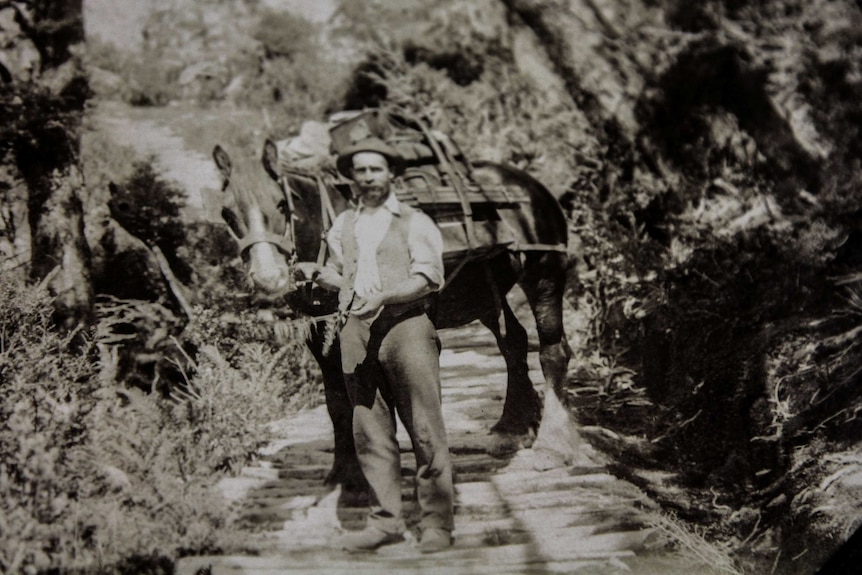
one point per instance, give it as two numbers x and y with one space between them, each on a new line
370 307
324 276
411 289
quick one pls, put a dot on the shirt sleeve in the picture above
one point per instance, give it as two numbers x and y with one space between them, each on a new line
426 249
333 241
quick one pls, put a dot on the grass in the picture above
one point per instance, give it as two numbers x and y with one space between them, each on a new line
692 545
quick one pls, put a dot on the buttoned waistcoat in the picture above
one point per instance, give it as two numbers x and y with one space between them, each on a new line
393 260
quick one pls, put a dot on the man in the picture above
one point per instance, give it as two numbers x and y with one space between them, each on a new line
386 260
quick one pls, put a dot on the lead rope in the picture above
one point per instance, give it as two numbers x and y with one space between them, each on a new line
332 321
327 217
291 208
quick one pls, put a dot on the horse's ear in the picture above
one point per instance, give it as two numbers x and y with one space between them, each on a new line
113 188
270 159
222 160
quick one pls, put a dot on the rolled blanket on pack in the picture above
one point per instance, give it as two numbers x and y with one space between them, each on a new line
308 151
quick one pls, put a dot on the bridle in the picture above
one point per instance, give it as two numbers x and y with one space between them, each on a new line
327 211
282 242
286 242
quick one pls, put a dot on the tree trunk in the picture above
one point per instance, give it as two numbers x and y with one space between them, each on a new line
47 154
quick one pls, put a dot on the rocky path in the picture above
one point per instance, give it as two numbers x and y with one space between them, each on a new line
510 518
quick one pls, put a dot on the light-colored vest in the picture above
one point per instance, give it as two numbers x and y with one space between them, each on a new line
393 258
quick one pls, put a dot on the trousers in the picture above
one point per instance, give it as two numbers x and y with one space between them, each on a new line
389 371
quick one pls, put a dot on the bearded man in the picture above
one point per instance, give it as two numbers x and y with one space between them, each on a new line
386 260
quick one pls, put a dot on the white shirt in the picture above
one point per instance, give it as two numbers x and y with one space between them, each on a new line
370 226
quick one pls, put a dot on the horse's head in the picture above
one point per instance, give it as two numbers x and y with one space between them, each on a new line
256 212
278 218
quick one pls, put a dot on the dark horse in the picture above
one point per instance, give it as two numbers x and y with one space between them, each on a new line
278 226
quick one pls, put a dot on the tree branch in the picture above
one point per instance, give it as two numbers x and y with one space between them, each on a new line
173 283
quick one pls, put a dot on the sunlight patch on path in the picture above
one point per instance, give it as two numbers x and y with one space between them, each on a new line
307 426
460 359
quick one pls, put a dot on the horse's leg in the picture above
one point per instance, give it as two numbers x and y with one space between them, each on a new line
558 442
522 409
345 468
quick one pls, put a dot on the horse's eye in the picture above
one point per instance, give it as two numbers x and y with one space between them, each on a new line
282 207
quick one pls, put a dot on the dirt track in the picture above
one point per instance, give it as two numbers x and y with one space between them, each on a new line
510 518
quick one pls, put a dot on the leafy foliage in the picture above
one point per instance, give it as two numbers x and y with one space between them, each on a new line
284 35
121 75
85 463
95 476
149 207
211 52
44 407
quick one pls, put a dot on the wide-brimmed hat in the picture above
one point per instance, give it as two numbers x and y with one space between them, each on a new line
345 160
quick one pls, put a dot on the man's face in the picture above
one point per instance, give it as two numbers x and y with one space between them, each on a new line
372 176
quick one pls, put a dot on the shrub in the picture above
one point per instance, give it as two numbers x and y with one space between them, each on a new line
517 125
86 463
284 35
45 399
149 207
275 368
298 74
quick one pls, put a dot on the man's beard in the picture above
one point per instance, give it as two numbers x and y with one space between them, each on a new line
376 192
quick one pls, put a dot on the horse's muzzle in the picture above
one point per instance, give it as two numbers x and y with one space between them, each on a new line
274 286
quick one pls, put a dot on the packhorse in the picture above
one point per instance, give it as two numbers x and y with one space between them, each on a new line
279 218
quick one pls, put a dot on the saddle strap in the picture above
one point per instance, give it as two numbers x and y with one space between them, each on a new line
327 216
518 247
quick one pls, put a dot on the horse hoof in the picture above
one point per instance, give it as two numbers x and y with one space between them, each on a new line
506 444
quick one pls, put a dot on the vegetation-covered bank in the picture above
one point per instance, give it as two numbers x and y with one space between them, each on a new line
101 475
733 200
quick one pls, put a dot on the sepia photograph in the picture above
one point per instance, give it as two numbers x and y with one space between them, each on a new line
445 287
